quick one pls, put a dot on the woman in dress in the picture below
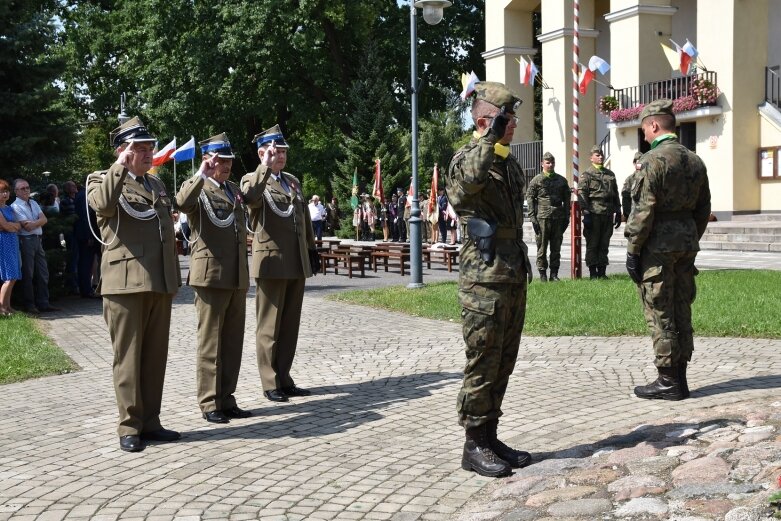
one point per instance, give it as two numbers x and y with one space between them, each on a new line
10 270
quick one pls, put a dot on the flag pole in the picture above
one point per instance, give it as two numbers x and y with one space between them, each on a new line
575 249
174 173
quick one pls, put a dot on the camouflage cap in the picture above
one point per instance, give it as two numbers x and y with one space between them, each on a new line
547 156
656 108
596 149
498 95
638 155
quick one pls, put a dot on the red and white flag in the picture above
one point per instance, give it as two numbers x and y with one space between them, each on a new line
586 75
686 55
528 71
377 191
433 209
165 154
468 84
595 65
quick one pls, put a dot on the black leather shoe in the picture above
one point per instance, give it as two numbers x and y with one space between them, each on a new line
275 395
215 417
235 412
161 435
131 443
294 390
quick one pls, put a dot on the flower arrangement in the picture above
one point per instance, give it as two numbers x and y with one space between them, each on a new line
607 104
627 114
704 91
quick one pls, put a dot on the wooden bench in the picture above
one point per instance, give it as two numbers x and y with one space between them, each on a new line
449 256
402 256
347 258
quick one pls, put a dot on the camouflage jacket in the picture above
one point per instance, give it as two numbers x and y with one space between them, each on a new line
626 192
598 191
671 201
482 184
548 197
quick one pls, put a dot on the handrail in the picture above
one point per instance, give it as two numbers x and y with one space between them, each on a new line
673 88
773 87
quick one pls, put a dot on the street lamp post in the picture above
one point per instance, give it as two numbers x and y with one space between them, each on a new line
432 14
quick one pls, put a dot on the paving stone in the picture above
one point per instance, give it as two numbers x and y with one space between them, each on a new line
580 507
642 505
702 470
522 486
755 434
744 514
652 465
559 494
520 514
593 476
621 457
711 489
711 506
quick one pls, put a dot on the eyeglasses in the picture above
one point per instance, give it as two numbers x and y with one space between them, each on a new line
513 119
23 189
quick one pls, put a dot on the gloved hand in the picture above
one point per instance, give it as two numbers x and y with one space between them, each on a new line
499 124
617 220
314 261
587 221
633 267
536 227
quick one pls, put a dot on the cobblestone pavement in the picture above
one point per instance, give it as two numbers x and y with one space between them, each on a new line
377 440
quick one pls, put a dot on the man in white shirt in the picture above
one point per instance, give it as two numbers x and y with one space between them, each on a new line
317 213
35 271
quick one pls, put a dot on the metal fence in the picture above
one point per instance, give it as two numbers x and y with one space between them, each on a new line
773 86
671 89
529 155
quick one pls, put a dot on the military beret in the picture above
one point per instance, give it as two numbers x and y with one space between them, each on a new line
596 149
638 155
219 145
498 95
267 136
547 156
130 131
656 108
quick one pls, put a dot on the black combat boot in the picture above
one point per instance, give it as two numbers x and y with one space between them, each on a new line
682 378
601 272
479 457
543 276
665 387
592 272
516 458
554 275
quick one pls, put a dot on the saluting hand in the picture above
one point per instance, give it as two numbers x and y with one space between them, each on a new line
125 157
209 165
269 155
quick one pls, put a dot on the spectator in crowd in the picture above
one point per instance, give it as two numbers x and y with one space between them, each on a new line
35 271
68 208
442 205
368 216
334 216
425 226
52 189
394 216
89 251
357 220
68 199
317 213
10 270
382 216
402 205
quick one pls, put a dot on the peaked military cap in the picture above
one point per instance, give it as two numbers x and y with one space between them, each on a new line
596 149
272 134
658 107
219 145
547 156
638 155
498 95
130 131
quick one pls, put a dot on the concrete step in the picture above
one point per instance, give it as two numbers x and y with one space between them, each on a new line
757 217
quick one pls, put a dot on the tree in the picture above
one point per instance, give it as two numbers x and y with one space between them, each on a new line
36 126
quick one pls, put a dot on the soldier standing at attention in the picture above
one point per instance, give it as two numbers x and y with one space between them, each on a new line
485 187
219 277
283 257
671 209
548 197
626 190
139 278
598 194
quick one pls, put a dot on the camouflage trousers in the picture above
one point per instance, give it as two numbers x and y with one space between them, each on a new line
551 234
492 315
667 293
598 239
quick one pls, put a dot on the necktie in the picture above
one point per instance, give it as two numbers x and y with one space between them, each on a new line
227 190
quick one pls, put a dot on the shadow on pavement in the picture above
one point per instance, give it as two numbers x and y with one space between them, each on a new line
335 409
738 384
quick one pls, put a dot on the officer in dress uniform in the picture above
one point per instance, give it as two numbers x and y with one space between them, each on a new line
139 278
283 257
485 186
219 277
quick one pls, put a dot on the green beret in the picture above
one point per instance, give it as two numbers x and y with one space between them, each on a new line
638 155
656 108
547 156
596 149
498 95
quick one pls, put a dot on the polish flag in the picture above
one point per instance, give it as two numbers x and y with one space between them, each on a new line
686 54
468 84
165 154
586 75
595 63
528 71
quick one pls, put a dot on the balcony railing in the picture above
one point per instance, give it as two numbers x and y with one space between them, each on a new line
773 87
674 88
529 155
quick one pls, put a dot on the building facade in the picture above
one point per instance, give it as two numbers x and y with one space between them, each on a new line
737 132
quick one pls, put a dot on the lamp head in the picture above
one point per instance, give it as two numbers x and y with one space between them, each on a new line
432 10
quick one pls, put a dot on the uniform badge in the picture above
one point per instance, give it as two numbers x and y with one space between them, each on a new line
238 198
163 194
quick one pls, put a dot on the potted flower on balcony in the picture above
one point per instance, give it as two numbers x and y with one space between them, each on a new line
607 104
704 91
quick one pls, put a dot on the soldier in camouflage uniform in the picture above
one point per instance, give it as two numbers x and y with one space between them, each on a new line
626 190
548 196
671 208
598 194
485 188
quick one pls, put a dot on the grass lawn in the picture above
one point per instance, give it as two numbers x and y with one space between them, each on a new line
25 352
735 303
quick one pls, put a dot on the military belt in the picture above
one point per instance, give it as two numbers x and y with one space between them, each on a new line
673 216
506 233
